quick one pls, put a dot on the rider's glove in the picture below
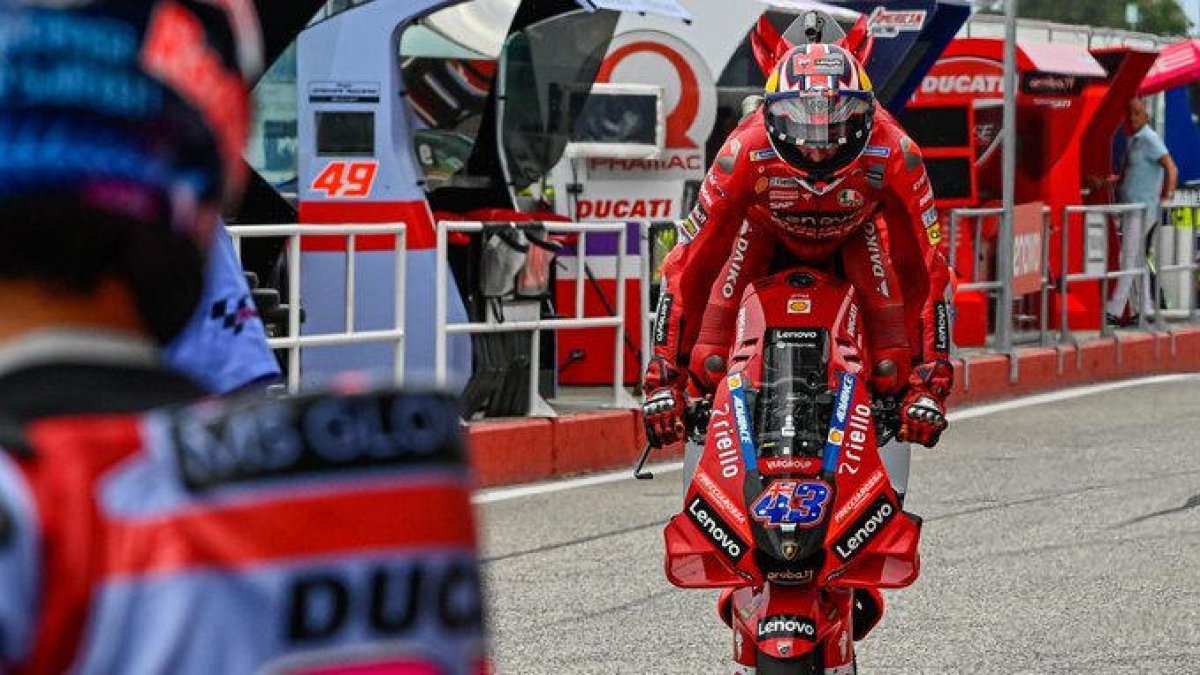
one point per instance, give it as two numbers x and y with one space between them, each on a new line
662 409
923 412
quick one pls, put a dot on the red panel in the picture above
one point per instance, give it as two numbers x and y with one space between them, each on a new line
514 451
592 441
420 233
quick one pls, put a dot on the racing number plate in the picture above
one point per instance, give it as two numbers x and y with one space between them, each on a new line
792 502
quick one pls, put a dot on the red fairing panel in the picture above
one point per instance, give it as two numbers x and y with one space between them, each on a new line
868 539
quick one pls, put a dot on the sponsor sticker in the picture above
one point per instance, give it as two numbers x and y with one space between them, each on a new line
780 195
714 492
787 627
890 23
763 155
941 314
927 198
875 173
860 495
789 464
837 421
221 445
761 186
688 229
860 533
934 232
662 318
725 538
741 421
877 151
799 304
782 181
930 217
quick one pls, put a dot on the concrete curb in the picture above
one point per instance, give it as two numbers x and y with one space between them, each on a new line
507 452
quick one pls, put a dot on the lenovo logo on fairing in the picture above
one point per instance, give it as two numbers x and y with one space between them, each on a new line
717 530
786 627
865 528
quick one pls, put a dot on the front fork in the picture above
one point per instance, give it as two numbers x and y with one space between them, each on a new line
774 620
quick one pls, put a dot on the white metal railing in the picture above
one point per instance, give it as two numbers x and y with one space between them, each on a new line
977 283
1066 278
293 342
444 329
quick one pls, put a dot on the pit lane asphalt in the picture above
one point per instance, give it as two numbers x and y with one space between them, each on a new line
1058 538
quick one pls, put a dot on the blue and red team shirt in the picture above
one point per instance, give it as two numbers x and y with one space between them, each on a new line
224 348
266 536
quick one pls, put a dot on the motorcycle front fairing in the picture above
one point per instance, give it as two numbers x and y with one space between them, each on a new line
790 487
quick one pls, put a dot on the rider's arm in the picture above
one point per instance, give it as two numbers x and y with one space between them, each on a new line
867 264
913 235
20 583
706 237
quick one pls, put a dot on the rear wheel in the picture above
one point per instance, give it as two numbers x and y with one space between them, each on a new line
809 664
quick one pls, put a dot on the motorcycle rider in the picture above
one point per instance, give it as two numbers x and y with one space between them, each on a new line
818 174
260 535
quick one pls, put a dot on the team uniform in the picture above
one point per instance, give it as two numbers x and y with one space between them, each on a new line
819 174
258 536
877 225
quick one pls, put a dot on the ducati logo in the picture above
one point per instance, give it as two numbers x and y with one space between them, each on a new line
789 550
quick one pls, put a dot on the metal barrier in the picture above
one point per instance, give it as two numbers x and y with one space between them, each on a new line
537 406
1066 278
1005 339
293 342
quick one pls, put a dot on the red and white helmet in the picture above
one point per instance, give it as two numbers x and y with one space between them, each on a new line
820 109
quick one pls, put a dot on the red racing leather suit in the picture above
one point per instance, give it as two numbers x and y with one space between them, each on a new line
876 223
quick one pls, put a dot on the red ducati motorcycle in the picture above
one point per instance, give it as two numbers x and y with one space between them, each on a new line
790 507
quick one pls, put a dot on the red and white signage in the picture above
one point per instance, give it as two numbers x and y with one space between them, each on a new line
600 209
1028 253
966 76
889 23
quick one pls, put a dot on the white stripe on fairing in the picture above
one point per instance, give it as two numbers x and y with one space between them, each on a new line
522 491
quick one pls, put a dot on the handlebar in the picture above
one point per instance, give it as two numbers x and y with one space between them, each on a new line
885 410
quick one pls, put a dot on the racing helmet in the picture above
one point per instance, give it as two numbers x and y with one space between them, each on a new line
819 109
122 126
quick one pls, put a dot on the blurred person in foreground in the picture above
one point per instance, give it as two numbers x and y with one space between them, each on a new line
142 528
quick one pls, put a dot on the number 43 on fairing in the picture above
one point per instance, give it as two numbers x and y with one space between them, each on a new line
792 502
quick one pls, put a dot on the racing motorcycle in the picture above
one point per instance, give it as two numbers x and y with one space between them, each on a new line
790 508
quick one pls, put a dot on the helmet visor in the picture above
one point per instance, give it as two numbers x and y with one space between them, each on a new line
823 118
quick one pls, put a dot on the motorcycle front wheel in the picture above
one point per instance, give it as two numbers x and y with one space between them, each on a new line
809 664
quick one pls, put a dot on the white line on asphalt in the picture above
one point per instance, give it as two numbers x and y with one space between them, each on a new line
520 491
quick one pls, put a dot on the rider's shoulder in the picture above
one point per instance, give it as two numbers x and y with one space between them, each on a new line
890 142
748 142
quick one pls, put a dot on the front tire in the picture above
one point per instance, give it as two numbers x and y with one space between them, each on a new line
809 664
